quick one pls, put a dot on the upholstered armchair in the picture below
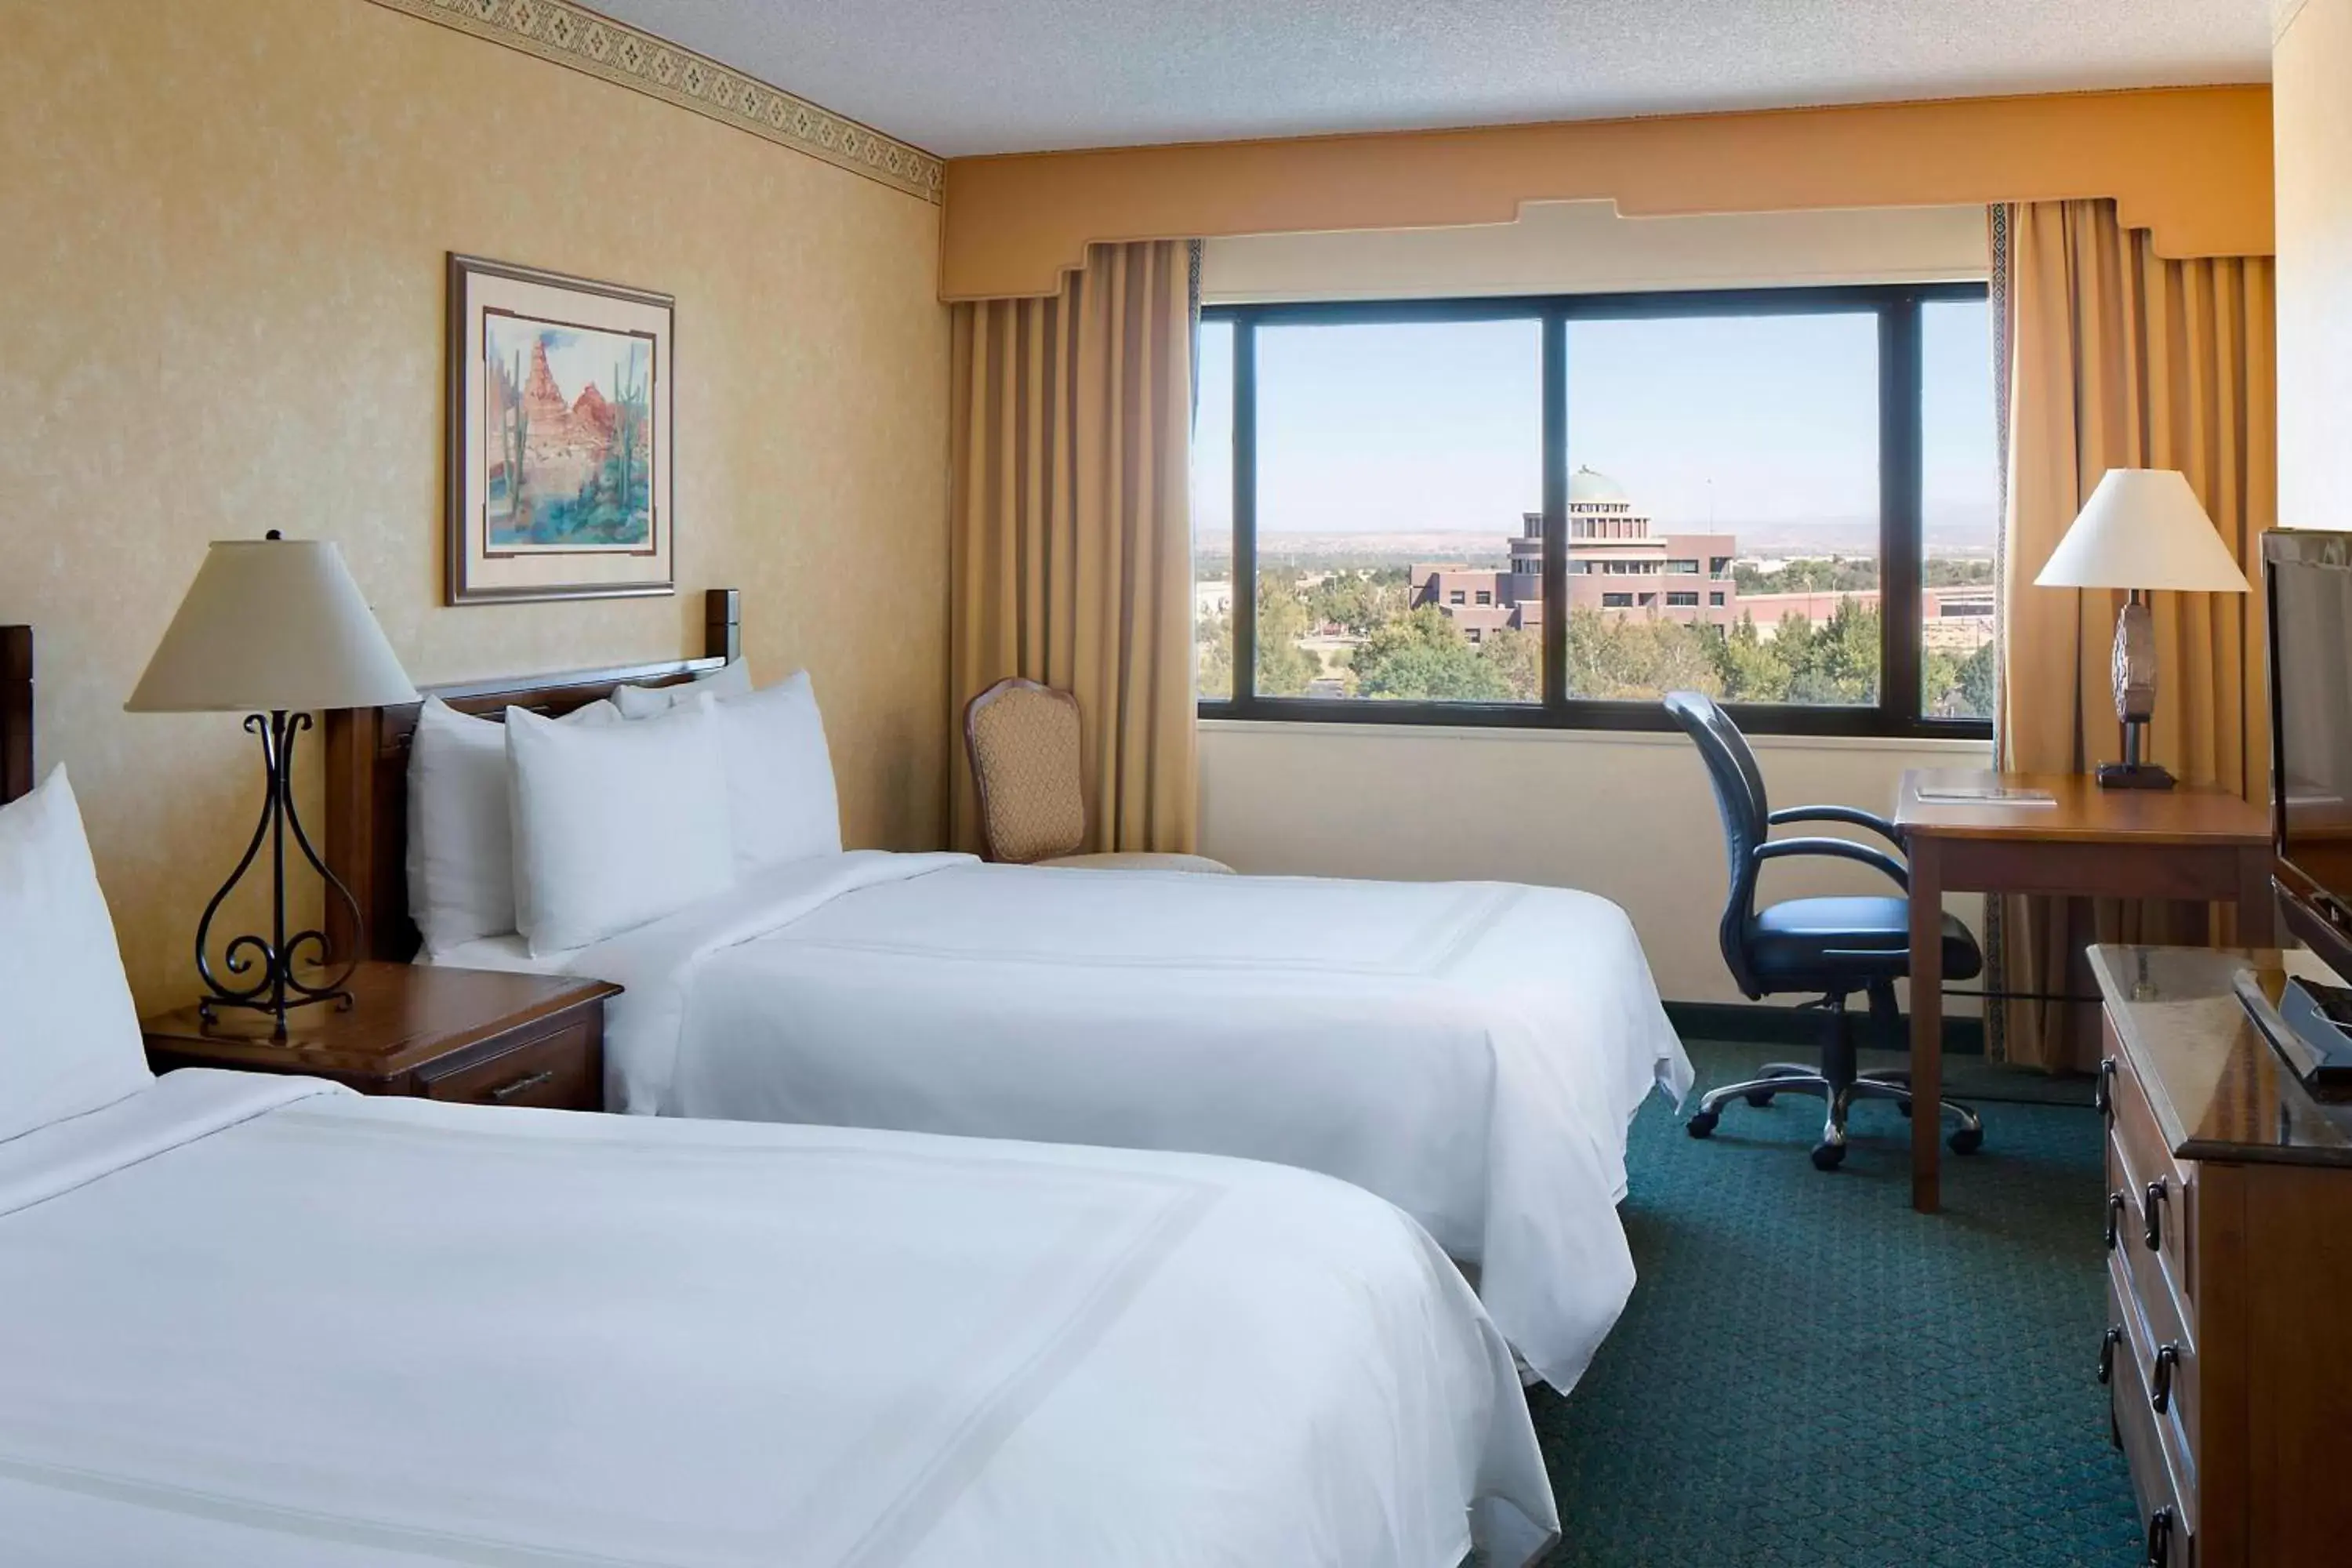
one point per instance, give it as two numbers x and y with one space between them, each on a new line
1023 741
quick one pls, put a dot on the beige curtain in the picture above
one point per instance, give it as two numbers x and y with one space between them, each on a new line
1071 532
2120 358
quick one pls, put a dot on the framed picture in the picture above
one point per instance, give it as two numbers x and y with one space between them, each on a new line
560 428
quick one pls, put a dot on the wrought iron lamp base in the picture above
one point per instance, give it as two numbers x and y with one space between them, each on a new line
209 1008
260 970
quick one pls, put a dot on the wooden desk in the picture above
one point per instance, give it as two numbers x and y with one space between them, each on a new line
2194 845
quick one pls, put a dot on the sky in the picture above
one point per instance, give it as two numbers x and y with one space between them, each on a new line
1429 427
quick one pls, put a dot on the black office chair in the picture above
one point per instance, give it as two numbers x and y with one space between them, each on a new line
1831 946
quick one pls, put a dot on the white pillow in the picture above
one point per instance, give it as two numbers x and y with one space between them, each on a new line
461 854
69 1041
780 788
615 825
733 678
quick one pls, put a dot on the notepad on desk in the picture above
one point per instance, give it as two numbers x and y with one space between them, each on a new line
1986 794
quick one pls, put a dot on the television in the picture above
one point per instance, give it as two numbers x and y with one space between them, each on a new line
2307 578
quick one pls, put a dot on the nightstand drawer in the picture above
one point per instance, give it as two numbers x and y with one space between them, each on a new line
563 1069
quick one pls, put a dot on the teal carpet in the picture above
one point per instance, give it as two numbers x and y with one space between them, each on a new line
1811 1373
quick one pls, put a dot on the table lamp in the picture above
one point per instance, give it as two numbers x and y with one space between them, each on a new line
276 629
2141 530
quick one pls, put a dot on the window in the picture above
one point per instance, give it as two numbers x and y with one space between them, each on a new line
1959 505
1819 461
1212 518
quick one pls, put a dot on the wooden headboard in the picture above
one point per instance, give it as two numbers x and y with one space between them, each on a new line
367 773
16 712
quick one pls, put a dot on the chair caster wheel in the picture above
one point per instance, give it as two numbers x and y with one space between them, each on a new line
1966 1140
1701 1124
1762 1099
1828 1156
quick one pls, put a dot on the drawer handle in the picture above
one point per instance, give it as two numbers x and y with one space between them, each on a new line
2114 1217
2103 1093
2159 1538
2107 1343
2158 1192
521 1086
2160 1384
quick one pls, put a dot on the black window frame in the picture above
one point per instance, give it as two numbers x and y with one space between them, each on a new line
1901 543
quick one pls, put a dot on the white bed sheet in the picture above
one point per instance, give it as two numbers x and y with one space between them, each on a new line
258 1322
1472 1052
509 952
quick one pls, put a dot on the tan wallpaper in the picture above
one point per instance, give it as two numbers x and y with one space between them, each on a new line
2311 65
225 226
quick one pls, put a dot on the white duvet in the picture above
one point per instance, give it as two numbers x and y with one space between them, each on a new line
257 1322
1472 1052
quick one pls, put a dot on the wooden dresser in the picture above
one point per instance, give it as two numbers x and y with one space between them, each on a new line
2228 1234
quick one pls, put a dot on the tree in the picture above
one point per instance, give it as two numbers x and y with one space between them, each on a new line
1356 602
1283 667
1212 674
1517 658
1978 688
1753 670
1423 655
1619 659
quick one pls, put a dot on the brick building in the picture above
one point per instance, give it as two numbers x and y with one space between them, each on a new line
1615 564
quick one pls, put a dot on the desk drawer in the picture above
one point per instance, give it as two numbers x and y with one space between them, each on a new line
2163 1474
560 1069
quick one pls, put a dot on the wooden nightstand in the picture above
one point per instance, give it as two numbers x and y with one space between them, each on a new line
467 1034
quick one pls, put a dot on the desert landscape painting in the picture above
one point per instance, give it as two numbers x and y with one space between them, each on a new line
568 417
563 393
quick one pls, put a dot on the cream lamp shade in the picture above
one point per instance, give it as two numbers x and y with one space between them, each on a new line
2142 527
271 625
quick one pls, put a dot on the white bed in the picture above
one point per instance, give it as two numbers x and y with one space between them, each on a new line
260 1322
1472 1052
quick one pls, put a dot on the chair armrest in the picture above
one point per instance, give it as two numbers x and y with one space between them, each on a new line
1853 815
1837 850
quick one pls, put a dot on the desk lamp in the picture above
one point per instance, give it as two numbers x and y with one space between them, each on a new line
2141 530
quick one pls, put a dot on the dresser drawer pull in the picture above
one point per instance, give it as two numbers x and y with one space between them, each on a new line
2159 1538
2158 1192
2160 1382
2115 1218
2107 1343
521 1086
2103 1093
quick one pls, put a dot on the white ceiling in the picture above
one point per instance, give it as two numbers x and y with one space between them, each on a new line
961 77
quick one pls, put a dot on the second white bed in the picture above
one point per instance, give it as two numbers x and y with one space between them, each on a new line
1472 1052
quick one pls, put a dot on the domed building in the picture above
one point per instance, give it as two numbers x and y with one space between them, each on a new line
1615 564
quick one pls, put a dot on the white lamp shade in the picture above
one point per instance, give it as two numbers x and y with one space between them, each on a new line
2143 528
271 625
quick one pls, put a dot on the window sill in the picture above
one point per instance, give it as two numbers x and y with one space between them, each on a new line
1963 750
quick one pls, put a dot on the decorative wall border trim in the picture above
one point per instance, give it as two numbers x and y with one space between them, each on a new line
572 35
